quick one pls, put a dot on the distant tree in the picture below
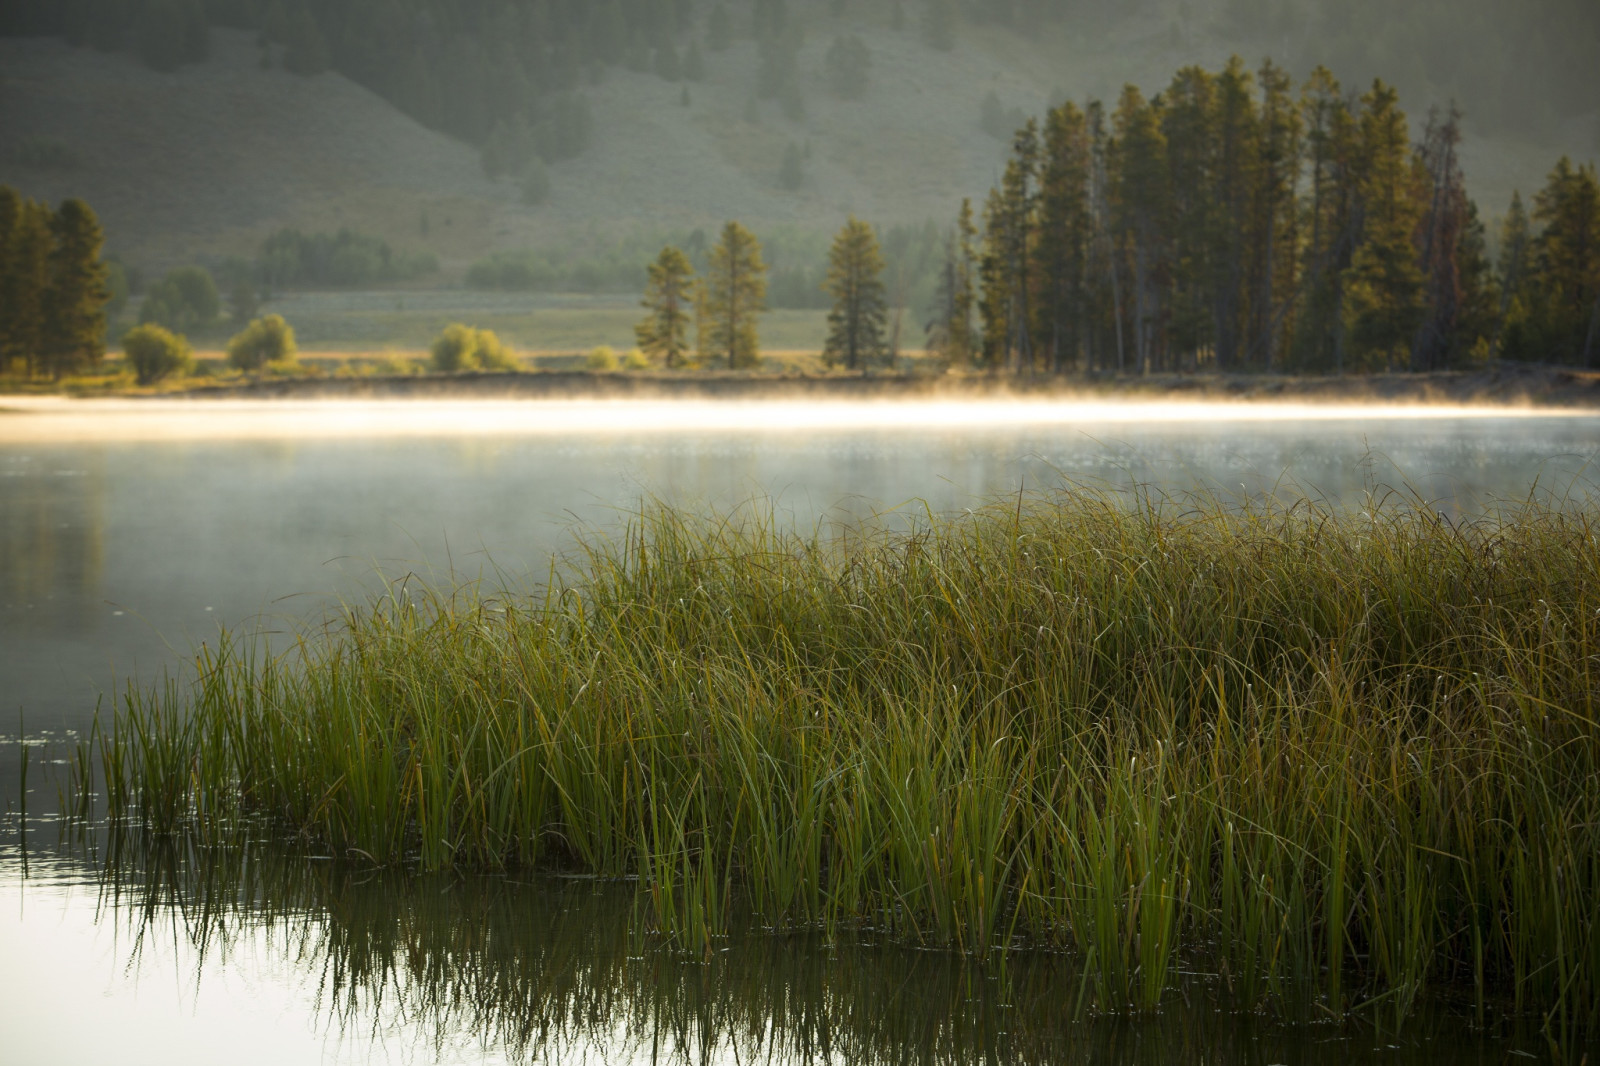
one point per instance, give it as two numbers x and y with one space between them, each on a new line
950 330
669 292
849 67
24 281
243 301
735 293
184 300
1386 281
1065 235
694 64
791 173
1566 257
855 282
266 340
1445 215
1511 273
719 28
939 24
155 353
74 323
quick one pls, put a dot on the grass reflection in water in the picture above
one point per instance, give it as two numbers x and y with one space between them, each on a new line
557 970
1342 757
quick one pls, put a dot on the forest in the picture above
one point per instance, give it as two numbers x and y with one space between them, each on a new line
1236 222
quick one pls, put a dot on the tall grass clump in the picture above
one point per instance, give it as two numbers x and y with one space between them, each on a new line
1345 754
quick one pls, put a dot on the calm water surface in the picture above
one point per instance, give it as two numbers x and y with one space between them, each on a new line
129 533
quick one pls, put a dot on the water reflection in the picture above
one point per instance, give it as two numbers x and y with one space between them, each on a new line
368 965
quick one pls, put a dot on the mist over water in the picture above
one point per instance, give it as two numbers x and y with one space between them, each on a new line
128 533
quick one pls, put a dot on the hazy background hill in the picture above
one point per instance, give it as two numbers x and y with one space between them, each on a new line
203 161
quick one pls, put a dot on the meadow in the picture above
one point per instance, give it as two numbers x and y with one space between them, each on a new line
1345 757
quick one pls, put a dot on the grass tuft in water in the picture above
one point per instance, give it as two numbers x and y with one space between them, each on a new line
1346 754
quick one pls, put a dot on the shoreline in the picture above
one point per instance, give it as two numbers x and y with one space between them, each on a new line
1502 385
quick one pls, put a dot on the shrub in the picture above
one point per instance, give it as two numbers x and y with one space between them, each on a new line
266 340
461 348
156 353
636 360
603 357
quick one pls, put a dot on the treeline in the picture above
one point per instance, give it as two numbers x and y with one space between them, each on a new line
1236 222
53 287
292 259
797 265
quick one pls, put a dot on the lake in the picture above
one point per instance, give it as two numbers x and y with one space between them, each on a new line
129 531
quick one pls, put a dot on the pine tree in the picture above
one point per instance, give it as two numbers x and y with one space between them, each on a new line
11 207
1443 228
74 323
855 281
1511 272
1567 260
1386 283
1332 223
1065 235
1190 216
1274 224
664 334
950 329
1142 199
22 318
736 292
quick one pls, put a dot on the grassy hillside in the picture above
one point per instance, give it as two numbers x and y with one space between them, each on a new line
204 162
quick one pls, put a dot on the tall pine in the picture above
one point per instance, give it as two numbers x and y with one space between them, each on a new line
735 293
855 282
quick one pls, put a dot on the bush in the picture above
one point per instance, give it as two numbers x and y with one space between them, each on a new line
603 358
264 341
156 353
461 348
636 360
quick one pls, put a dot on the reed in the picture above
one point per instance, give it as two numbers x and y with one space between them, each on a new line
1344 754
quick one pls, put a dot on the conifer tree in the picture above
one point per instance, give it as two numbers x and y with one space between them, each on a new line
1065 235
1567 260
950 330
1443 228
1386 284
11 207
1511 272
669 292
74 323
736 292
1142 201
1333 223
1274 226
855 281
22 319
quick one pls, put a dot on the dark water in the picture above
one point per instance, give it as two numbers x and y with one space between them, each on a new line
118 555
